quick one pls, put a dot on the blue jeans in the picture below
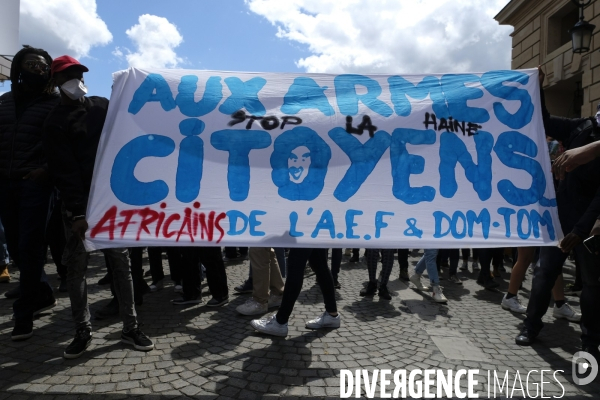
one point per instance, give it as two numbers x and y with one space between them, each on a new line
3 249
428 262
24 211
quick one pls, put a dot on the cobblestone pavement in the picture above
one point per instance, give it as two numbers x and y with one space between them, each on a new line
204 352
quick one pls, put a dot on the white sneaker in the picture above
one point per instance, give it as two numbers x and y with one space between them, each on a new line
275 300
464 266
178 289
416 280
324 320
156 286
513 304
252 307
567 313
437 295
270 326
475 266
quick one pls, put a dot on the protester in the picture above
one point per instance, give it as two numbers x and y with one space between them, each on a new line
24 182
578 203
71 136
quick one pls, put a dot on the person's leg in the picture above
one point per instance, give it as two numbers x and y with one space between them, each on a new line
174 257
56 239
590 298
387 262
243 251
430 257
123 283
156 266
140 287
32 213
215 272
297 259
318 259
454 255
260 259
336 263
551 261
75 258
190 279
280 254
524 259
276 283
355 255
372 256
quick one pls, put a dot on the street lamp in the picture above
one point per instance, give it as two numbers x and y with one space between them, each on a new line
581 33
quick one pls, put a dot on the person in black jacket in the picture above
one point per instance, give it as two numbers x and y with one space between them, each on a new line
578 201
24 182
71 135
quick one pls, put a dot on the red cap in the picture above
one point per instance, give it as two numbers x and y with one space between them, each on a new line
63 62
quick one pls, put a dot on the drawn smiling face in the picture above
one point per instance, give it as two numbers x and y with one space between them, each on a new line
299 164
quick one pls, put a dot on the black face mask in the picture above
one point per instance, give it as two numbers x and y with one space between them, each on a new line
35 80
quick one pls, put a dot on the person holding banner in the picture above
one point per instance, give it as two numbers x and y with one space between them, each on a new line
578 203
71 135
277 324
25 186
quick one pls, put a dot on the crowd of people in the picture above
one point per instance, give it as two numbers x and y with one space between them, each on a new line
49 135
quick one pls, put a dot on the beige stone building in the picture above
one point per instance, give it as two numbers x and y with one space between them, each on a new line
541 37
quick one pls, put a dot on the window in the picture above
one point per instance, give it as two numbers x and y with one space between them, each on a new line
559 25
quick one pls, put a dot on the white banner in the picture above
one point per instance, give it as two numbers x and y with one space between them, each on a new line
208 158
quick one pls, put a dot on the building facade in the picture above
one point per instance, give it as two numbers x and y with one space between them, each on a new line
541 37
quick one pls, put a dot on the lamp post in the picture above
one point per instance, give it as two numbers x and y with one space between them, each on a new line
581 33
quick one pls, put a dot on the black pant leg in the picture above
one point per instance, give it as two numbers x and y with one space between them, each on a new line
454 255
544 278
216 276
175 266
56 238
297 259
318 259
336 262
156 266
403 258
190 279
589 264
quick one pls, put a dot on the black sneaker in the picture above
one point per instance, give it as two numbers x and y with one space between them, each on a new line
525 337
487 281
353 259
63 286
369 290
109 310
245 287
215 302
48 304
404 274
83 338
22 331
384 292
105 280
148 273
137 338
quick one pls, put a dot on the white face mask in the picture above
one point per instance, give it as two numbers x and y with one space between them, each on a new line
74 89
